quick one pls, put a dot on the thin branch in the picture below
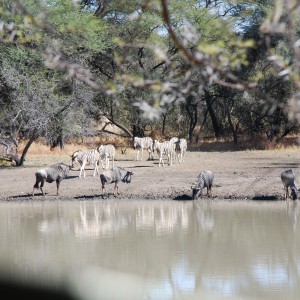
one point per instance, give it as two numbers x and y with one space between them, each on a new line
232 80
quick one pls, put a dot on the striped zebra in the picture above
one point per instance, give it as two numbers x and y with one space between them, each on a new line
90 157
76 157
107 152
180 149
164 148
143 143
174 141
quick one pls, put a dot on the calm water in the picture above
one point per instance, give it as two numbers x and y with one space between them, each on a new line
154 249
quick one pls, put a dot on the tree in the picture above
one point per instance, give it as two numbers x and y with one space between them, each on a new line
43 102
146 58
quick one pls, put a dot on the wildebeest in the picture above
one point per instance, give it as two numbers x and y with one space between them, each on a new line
90 157
115 175
143 143
49 174
204 180
288 180
107 152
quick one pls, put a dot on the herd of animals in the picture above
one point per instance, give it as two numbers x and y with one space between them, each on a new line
104 153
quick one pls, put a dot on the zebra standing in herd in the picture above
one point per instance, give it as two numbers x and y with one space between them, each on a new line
93 156
169 148
90 157
180 149
107 152
141 143
164 148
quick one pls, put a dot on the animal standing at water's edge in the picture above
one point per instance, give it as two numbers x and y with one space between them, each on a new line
204 180
115 175
55 172
288 180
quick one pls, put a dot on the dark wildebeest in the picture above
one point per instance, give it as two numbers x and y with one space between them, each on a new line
288 180
49 174
204 180
115 175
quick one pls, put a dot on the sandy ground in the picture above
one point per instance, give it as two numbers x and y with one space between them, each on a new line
244 175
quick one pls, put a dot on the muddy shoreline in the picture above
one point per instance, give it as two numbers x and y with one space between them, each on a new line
239 176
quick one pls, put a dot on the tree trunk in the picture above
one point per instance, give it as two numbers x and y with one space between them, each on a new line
218 130
286 131
231 125
164 119
22 159
191 107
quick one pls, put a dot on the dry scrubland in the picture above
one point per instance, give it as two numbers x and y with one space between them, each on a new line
239 175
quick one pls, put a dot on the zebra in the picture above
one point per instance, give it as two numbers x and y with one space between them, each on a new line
76 157
107 152
288 180
174 140
162 148
180 149
180 146
143 143
90 157
172 146
204 180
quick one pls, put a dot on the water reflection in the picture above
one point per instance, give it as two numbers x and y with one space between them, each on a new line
203 211
95 221
161 249
293 212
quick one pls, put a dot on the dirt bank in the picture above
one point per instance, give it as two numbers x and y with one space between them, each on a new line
242 175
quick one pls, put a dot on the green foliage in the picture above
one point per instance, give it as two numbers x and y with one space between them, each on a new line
79 31
137 67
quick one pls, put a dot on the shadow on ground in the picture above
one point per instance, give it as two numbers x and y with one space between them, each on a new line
85 197
266 198
183 197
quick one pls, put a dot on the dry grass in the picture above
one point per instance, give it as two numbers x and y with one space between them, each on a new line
40 154
43 149
257 143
